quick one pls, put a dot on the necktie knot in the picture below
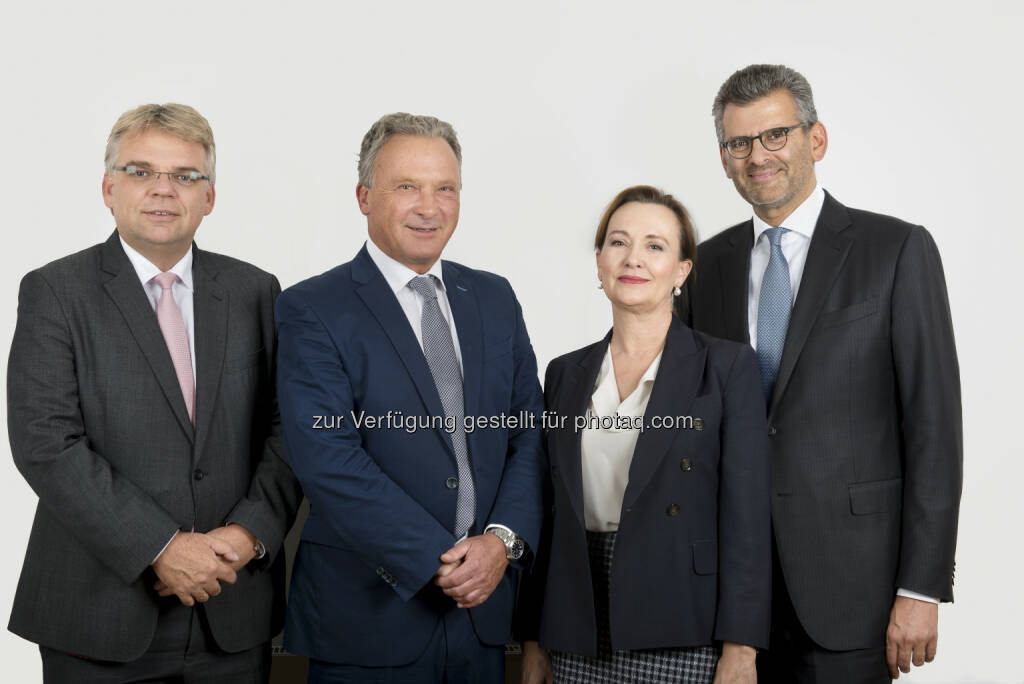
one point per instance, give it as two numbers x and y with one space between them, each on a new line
165 280
775 235
424 285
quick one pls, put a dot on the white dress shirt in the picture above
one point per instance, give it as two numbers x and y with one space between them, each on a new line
795 244
608 452
398 276
181 290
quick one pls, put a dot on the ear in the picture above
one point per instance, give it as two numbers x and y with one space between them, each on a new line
685 266
725 161
107 188
211 197
363 197
819 141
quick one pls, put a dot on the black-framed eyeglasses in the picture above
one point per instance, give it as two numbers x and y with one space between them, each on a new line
144 175
773 140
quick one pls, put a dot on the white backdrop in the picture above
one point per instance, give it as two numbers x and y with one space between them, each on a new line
558 106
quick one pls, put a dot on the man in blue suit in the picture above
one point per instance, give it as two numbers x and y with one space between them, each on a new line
386 366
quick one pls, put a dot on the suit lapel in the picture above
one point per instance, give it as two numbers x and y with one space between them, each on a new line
825 258
127 294
466 312
574 399
382 304
734 274
210 311
675 386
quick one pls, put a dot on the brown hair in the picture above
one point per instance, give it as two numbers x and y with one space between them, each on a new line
646 194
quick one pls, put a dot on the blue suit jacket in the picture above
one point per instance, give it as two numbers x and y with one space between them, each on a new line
382 511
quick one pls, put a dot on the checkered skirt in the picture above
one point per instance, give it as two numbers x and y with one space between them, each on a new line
694 665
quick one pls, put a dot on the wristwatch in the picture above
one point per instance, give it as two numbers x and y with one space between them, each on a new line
514 545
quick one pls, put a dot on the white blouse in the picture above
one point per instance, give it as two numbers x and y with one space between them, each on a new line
608 441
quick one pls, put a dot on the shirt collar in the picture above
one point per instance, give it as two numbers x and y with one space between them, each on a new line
802 220
147 270
605 397
397 274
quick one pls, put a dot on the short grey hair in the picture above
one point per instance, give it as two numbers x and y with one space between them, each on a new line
760 80
401 123
178 120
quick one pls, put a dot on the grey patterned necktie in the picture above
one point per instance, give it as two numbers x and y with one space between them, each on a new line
444 367
773 308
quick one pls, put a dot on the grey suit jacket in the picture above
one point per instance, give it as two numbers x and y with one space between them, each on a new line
865 427
99 429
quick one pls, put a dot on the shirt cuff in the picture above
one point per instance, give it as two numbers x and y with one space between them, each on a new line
500 527
165 547
915 595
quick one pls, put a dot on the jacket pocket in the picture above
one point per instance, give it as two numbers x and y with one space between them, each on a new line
848 314
875 497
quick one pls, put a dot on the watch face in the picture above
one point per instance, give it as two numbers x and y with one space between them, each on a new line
516 550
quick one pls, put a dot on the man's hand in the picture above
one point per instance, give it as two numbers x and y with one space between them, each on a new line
471 569
242 541
192 567
737 665
913 629
536 665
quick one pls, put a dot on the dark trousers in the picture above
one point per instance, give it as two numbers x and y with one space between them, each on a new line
183 651
794 658
453 655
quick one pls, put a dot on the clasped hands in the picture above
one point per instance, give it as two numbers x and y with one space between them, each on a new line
471 569
194 564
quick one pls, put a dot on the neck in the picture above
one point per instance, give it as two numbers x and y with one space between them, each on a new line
774 216
161 256
640 333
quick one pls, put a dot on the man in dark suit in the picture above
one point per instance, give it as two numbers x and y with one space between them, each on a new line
404 567
848 313
141 411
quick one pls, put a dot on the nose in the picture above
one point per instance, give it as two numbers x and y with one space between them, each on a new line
426 204
163 185
759 154
635 255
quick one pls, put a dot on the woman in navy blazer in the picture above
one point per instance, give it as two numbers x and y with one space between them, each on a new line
655 560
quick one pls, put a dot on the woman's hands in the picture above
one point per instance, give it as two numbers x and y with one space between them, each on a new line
536 664
737 665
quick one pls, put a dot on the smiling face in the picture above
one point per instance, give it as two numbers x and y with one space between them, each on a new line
639 263
413 207
158 218
774 183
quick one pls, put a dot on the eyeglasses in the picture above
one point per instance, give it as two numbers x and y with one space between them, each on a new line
144 175
773 140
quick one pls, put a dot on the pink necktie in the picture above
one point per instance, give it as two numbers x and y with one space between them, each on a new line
173 327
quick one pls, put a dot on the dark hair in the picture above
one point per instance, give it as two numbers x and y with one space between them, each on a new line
646 194
751 83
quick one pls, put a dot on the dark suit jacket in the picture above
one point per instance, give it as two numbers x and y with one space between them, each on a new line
98 427
865 430
692 557
383 499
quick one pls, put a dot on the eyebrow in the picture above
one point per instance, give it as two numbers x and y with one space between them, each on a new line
147 165
649 235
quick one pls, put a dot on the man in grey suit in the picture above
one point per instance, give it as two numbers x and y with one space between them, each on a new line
141 410
848 313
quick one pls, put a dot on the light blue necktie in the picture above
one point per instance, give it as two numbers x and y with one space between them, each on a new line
439 349
773 308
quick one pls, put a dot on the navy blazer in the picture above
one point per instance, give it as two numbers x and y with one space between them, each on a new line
382 498
692 558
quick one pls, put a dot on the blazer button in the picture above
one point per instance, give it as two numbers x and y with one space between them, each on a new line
771 430
451 482
686 465
672 510
198 474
